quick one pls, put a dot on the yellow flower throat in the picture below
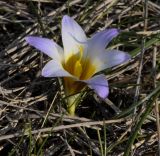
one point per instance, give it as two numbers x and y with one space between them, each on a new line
80 67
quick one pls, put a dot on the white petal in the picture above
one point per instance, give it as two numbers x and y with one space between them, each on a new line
46 46
54 69
98 42
101 39
111 58
71 31
100 85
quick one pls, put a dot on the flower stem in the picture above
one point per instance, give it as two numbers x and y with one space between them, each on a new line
72 102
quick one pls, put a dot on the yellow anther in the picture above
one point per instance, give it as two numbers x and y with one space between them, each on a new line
81 50
78 69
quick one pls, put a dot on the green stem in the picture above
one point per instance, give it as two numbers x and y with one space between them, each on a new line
72 102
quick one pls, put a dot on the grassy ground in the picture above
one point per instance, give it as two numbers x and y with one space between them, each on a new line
33 119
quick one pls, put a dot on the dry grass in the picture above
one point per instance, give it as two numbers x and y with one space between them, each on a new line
33 119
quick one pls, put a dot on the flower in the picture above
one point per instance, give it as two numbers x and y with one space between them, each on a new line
81 58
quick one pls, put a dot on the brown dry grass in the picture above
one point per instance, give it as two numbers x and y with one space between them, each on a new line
33 119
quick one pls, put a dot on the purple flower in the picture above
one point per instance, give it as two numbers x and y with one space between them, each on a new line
81 57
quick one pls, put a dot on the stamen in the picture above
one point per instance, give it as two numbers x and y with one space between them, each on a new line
78 69
81 50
